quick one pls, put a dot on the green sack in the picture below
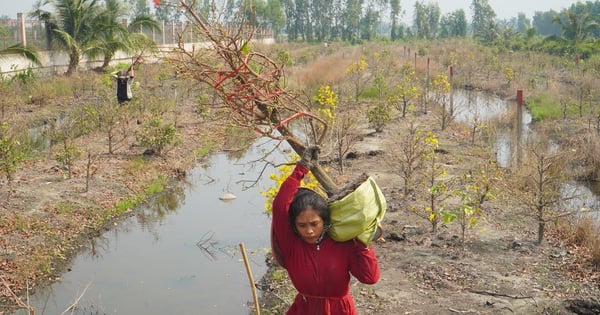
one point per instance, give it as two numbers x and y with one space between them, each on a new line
358 214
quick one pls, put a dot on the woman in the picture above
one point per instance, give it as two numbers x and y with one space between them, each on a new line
319 267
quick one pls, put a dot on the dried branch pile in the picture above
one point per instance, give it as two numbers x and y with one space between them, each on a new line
249 85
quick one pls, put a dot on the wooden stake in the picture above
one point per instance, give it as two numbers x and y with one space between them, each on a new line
250 278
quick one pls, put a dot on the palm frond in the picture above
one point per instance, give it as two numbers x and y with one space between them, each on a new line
28 53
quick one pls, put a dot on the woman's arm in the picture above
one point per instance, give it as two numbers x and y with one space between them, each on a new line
363 263
282 233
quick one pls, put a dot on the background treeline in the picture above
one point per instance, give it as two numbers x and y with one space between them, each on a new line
570 32
573 30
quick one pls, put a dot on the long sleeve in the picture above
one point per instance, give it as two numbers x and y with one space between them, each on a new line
363 264
282 234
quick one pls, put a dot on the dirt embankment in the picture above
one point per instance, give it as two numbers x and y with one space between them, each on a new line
498 270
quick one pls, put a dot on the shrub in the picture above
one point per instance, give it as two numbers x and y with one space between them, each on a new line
157 136
379 116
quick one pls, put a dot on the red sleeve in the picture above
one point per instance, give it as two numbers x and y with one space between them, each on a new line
282 234
363 264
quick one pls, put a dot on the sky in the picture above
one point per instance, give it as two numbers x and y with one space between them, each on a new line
504 9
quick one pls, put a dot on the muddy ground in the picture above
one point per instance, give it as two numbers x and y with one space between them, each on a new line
498 270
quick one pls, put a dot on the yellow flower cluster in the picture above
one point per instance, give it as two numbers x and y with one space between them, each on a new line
327 101
278 178
357 66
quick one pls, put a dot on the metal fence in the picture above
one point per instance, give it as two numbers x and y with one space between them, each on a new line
32 33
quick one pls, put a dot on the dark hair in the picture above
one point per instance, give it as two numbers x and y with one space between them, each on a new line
305 198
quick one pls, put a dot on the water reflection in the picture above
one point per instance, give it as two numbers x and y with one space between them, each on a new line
475 107
582 196
176 254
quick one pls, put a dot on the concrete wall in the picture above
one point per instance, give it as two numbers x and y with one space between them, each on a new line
56 62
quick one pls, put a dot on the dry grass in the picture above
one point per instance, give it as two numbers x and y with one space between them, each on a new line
583 234
328 69
587 234
595 251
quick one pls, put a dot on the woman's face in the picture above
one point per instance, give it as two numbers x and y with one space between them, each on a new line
309 225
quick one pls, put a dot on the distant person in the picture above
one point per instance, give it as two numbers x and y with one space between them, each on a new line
319 267
124 82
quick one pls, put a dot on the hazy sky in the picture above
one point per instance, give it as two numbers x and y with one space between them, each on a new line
503 8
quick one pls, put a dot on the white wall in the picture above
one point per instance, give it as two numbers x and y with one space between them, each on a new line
56 62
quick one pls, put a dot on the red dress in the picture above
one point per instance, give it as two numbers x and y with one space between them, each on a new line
320 273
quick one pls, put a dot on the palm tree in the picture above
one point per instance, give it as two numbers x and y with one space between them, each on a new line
28 53
73 26
115 35
576 27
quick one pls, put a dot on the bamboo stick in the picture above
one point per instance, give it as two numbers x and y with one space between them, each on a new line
250 278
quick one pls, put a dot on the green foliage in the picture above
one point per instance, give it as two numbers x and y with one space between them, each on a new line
63 131
370 92
25 76
205 150
435 186
11 153
381 85
156 186
476 188
379 116
125 205
203 106
285 58
543 106
67 156
157 136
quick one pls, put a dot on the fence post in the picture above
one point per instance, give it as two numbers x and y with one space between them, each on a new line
172 32
22 34
164 34
519 125
182 26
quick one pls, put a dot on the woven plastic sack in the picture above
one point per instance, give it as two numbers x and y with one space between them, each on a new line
358 214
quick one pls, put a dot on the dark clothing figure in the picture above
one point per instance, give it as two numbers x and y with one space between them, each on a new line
124 81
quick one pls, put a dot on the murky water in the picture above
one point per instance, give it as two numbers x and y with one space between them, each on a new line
179 255
474 105
583 197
